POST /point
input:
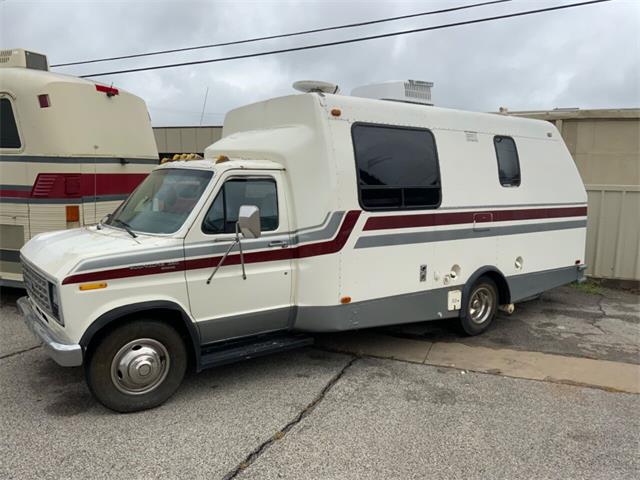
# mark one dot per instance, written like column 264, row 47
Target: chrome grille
column 37, row 287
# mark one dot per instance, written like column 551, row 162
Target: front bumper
column 64, row 354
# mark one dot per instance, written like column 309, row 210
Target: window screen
column 223, row 213
column 508, row 163
column 9, row 137
column 397, row 167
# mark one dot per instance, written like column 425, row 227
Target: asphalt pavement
column 315, row 413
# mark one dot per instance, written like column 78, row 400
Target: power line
column 342, row 42
column 283, row 35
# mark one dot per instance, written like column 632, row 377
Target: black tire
column 475, row 316
column 157, row 351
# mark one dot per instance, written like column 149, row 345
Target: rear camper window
column 397, row 167
column 508, row 163
column 223, row 213
column 9, row 137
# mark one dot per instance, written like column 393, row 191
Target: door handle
column 278, row 243
column 481, row 218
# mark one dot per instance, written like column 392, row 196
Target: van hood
column 59, row 253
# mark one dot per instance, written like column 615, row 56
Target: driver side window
column 223, row 213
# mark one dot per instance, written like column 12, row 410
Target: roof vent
column 310, row 86
column 409, row 91
column 20, row 58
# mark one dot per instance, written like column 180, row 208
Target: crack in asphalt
column 8, row 355
column 257, row 452
column 603, row 313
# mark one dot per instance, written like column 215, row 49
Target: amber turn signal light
column 92, row 286
column 73, row 213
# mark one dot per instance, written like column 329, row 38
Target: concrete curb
column 603, row 374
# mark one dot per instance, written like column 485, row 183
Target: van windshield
column 162, row 202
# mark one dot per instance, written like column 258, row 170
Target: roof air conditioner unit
column 409, row 91
column 20, row 58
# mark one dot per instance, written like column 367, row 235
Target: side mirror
column 249, row 221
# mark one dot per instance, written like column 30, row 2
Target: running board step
column 229, row 352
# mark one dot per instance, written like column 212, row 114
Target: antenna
column 204, row 104
column 316, row 86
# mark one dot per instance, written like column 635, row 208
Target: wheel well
column 171, row 316
column 504, row 295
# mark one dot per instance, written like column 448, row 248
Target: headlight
column 55, row 303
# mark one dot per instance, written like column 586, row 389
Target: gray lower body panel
column 394, row 310
column 409, row 308
column 530, row 284
column 419, row 306
column 243, row 325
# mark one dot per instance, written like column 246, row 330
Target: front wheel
column 480, row 308
column 137, row 366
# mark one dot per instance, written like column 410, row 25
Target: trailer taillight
column 110, row 91
column 44, row 101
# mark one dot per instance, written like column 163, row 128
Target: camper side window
column 397, row 167
column 223, row 213
column 508, row 162
column 9, row 137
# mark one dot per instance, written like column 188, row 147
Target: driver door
column 231, row 306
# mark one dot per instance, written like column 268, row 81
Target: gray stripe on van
column 323, row 234
column 102, row 160
column 211, row 248
column 463, row 234
column 526, row 205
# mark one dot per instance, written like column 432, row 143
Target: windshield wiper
column 126, row 226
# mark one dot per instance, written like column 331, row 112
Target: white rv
column 70, row 151
column 314, row 213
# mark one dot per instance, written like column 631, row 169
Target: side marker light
column 92, row 286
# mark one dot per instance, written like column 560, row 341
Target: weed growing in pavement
column 591, row 287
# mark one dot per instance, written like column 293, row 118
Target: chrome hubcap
column 140, row 366
column 481, row 305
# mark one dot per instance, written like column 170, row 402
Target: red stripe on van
column 456, row 218
column 304, row 251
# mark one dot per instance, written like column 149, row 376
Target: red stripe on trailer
column 14, row 193
column 455, row 218
column 303, row 251
column 59, row 186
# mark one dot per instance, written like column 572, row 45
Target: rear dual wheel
column 137, row 366
column 481, row 305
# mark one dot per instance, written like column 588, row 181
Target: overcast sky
column 587, row 57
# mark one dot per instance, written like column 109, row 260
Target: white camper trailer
column 70, row 151
column 314, row 213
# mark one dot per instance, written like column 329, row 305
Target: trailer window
column 508, row 162
column 223, row 213
column 9, row 137
column 397, row 167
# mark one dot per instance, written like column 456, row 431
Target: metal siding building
column 605, row 144
column 171, row 140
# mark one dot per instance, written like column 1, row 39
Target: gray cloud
column 585, row 57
